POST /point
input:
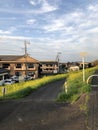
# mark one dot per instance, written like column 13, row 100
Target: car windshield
column 7, row 81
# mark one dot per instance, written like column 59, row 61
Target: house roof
column 16, row 58
column 50, row 62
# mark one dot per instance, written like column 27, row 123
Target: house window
column 51, row 65
column 30, row 65
column 47, row 65
column 5, row 65
column 18, row 65
column 18, row 73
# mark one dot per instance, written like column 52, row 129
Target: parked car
column 28, row 78
column 8, row 82
column 15, row 79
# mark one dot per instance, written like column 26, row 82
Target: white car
column 28, row 78
column 8, row 82
column 15, row 79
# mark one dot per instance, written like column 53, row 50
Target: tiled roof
column 9, row 57
column 16, row 58
column 48, row 62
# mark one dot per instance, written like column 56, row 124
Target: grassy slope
column 74, row 82
column 25, row 88
column 76, row 86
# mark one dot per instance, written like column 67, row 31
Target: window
column 30, row 65
column 18, row 73
column 5, row 65
column 18, row 65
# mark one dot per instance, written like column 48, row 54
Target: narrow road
column 48, row 92
column 39, row 111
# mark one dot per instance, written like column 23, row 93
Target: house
column 48, row 67
column 86, row 65
column 20, row 65
column 74, row 68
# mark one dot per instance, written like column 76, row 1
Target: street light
column 83, row 54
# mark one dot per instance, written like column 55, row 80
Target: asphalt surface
column 40, row 111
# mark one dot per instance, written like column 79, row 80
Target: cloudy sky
column 51, row 26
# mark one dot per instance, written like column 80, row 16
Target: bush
column 63, row 97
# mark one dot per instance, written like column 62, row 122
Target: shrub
column 63, row 97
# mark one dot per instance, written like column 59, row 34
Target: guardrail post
column 4, row 91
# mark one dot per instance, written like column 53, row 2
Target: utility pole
column 26, row 54
column 58, row 59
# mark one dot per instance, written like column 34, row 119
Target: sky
column 50, row 27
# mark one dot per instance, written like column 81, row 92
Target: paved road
column 48, row 93
column 39, row 111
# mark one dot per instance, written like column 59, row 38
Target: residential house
column 20, row 65
column 48, row 67
column 86, row 64
column 74, row 68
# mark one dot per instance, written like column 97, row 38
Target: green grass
column 23, row 89
column 76, row 86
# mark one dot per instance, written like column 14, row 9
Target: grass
column 23, row 89
column 75, row 86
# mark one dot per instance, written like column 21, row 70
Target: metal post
column 66, row 88
column 83, row 54
column 83, row 69
column 3, row 91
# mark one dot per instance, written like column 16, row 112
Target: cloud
column 8, row 31
column 5, row 32
column 5, row 37
column 32, row 2
column 93, row 8
column 54, row 25
column 46, row 7
column 41, row 6
column 31, row 21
